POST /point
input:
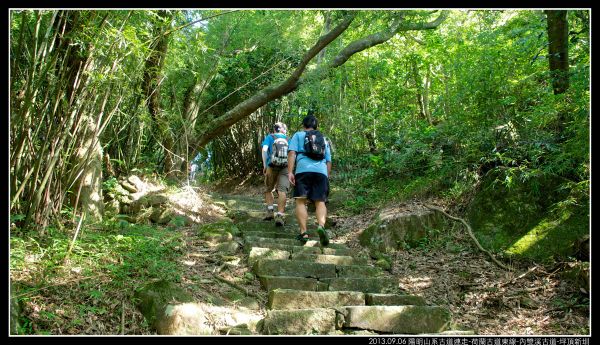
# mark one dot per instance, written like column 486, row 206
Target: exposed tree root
column 470, row 235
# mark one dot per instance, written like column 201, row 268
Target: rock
column 200, row 319
column 383, row 264
column 297, row 283
column 293, row 268
column 257, row 253
column 294, row 299
column 160, row 215
column 227, row 247
column 236, row 330
column 184, row 319
column 299, row 322
column 218, row 232
column 154, row 298
column 397, row 319
column 139, row 185
column 129, row 187
column 393, row 299
column 248, row 303
column 112, row 207
column 155, row 199
column 393, row 228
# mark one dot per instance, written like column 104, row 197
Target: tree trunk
column 419, row 87
column 558, row 49
column 151, row 88
column 426, row 87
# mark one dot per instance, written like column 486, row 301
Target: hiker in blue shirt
column 309, row 166
column 274, row 158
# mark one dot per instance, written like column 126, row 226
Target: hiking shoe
column 268, row 215
column 302, row 238
column 279, row 219
column 323, row 236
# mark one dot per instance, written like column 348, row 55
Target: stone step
column 329, row 250
column 293, row 249
column 299, row 321
column 358, row 271
column 257, row 253
column 296, row 283
column 393, row 299
column 293, row 268
column 330, row 259
column 299, row 249
column 258, row 239
column 251, row 227
column 408, row 319
column 378, row 285
column 269, row 235
column 297, row 299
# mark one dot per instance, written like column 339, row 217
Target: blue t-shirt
column 303, row 163
column 269, row 142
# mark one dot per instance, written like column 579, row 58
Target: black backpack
column 314, row 145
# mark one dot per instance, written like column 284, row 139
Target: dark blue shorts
column 311, row 185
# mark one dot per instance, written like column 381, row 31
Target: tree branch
column 271, row 92
column 220, row 124
column 470, row 232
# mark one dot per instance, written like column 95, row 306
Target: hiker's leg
column 269, row 185
column 283, row 184
column 301, row 213
column 269, row 198
column 321, row 212
column 281, row 202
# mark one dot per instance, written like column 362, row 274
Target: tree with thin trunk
column 558, row 49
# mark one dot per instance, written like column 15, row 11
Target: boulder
column 153, row 298
column 129, row 187
column 201, row 319
column 139, row 185
column 393, row 228
column 227, row 247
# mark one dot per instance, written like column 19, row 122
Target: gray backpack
column 279, row 152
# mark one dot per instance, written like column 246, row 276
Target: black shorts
column 311, row 185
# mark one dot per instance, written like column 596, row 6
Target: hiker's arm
column 291, row 165
column 265, row 148
column 329, row 168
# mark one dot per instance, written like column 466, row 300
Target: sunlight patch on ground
column 536, row 234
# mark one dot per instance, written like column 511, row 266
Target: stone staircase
column 325, row 290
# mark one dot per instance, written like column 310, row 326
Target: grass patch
column 85, row 293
